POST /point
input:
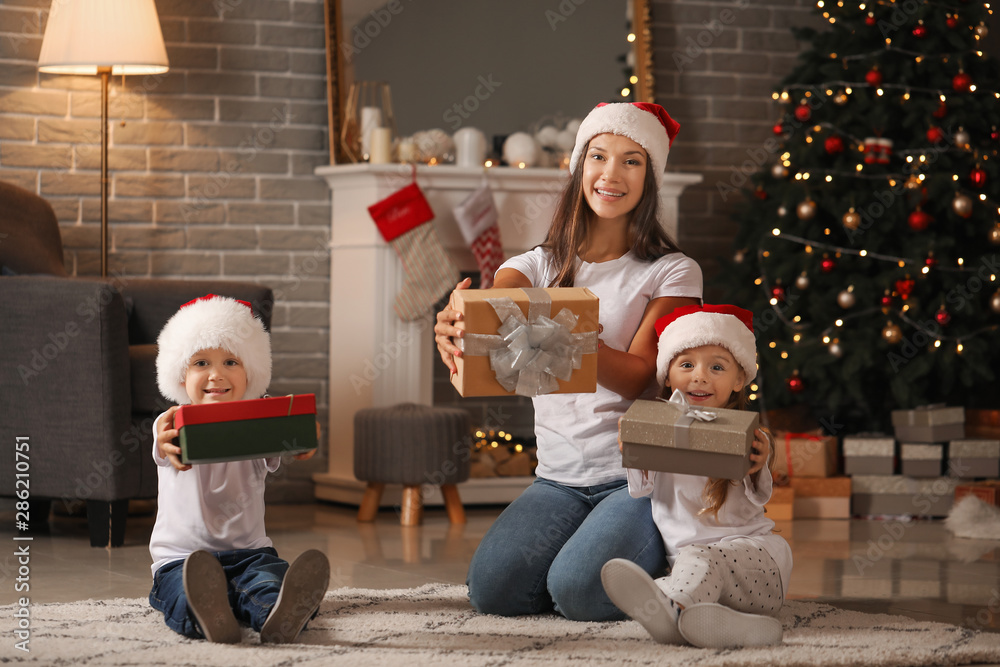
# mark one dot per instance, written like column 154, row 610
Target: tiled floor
column 916, row 569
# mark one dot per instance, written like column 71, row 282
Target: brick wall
column 211, row 170
column 716, row 65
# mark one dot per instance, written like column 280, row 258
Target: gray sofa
column 78, row 378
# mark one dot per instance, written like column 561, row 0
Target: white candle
column 407, row 150
column 470, row 147
column 371, row 118
column 381, row 145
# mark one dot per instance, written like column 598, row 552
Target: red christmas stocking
column 477, row 219
column 403, row 218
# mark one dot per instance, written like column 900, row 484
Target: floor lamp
column 103, row 37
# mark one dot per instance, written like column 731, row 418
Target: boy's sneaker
column 207, row 593
column 635, row 593
column 711, row 625
column 301, row 593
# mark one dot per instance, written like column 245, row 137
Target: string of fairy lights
column 916, row 158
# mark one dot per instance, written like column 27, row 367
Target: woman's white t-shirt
column 577, row 434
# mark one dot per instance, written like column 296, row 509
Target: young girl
column 729, row 572
column 545, row 551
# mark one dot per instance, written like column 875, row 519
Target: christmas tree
column 869, row 242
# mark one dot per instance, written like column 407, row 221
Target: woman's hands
column 165, row 435
column 445, row 330
column 761, row 451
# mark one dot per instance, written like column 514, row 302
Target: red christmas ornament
column 778, row 292
column 930, row 262
column 904, row 288
column 995, row 135
column 760, row 193
column 941, row 111
column 834, row 145
column 870, row 20
column 803, row 113
column 886, row 301
column 952, row 20
column 919, row 220
column 977, row 177
column 827, row 265
column 942, row 317
column 920, row 30
column 795, row 384
column 874, row 77
column 935, row 134
column 961, row 82
column 778, row 129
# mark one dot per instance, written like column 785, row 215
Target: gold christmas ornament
column 962, row 205
column 995, row 234
column 779, row 170
column 962, row 139
column 892, row 333
column 806, row 210
column 836, row 350
column 912, row 183
column 982, row 31
column 852, row 219
column 802, row 282
column 782, row 211
column 995, row 302
column 840, row 98
column 846, row 298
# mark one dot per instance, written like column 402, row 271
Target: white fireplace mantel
column 376, row 360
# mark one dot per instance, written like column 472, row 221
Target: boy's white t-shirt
column 212, row 506
column 577, row 434
column 677, row 499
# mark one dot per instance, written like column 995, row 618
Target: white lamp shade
column 83, row 35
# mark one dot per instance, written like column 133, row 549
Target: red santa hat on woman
column 693, row 326
column 211, row 322
column 648, row 125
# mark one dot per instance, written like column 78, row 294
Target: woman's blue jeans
column 254, row 577
column 546, row 551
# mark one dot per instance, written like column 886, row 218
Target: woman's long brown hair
column 568, row 232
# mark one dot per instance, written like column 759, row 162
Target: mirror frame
column 336, row 96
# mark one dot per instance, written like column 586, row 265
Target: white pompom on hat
column 211, row 322
column 648, row 125
column 688, row 327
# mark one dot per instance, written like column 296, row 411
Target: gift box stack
column 807, row 465
column 936, row 463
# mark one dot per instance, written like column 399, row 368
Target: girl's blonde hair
column 645, row 236
column 717, row 489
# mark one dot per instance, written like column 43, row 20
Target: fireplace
column 378, row 360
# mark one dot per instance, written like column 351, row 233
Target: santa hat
column 648, row 125
column 693, row 326
column 210, row 322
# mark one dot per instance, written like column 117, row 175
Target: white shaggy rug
column 434, row 625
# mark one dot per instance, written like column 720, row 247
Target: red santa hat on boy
column 210, row 322
column 648, row 125
column 693, row 326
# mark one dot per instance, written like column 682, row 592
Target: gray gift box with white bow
column 675, row 437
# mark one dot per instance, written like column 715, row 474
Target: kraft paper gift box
column 930, row 423
column 974, row 458
column 529, row 341
column 781, row 506
column 988, row 491
column 899, row 495
column 920, row 460
column 869, row 455
column 826, row 498
column 804, row 455
column 252, row 429
column 672, row 436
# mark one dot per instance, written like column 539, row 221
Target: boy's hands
column 761, row 451
column 304, row 456
column 165, row 435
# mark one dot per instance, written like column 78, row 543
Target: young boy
column 213, row 564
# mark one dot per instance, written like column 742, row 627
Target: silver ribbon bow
column 688, row 416
column 531, row 354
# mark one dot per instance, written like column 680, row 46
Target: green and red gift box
column 251, row 429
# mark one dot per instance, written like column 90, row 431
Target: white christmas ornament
column 434, row 145
column 520, row 148
column 573, row 126
column 566, row 140
column 547, row 137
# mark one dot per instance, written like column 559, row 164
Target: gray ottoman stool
column 411, row 445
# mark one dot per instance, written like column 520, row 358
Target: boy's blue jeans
column 254, row 577
column 546, row 551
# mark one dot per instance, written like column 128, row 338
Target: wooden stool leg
column 413, row 506
column 453, row 503
column 370, row 501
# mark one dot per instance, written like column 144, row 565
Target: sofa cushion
column 146, row 398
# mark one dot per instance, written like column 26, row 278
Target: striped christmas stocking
column 403, row 218
column 477, row 219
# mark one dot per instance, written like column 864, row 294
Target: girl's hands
column 761, row 451
column 165, row 435
column 445, row 330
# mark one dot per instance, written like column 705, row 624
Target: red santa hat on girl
column 693, row 326
column 211, row 322
column 648, row 125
